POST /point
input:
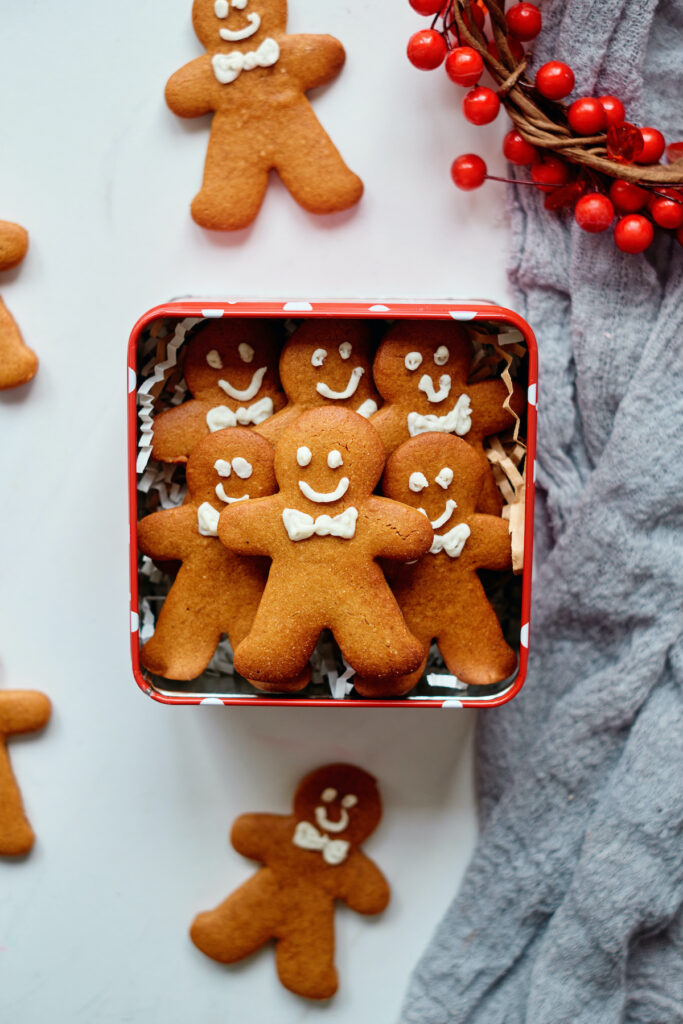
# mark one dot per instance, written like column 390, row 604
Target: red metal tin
column 465, row 312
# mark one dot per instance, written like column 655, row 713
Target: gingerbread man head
column 328, row 460
column 341, row 801
column 233, row 362
column 223, row 24
column 228, row 466
column 437, row 473
column 424, row 369
column 329, row 363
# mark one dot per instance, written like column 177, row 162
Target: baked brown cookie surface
column 441, row 595
column 310, row 859
column 21, row 711
column 18, row 363
column 421, row 371
column 231, row 371
column 325, row 362
column 254, row 79
column 324, row 531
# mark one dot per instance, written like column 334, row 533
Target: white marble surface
column 132, row 801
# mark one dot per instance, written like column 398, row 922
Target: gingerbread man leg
column 474, row 648
column 242, row 923
column 368, row 637
column 397, row 686
column 20, row 711
column 184, row 640
column 311, row 167
column 18, row 363
column 305, row 954
column 280, row 641
column 233, row 188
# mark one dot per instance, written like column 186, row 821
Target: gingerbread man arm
column 177, row 431
column 489, row 543
column 314, row 59
column 247, row 527
column 189, row 91
column 165, row 535
column 253, row 835
column 488, row 414
column 401, row 532
column 365, row 888
column 23, row 711
column 13, row 244
column 276, row 424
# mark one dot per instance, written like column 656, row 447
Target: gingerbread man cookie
column 421, row 372
column 324, row 531
column 325, row 362
column 231, row 370
column 215, row 590
column 18, row 364
column 254, row 78
column 21, row 711
column 311, row 858
column 441, row 595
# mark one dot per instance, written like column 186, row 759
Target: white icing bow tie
column 307, row 837
column 457, row 421
column 452, row 542
column 228, row 66
column 221, row 417
column 301, row 526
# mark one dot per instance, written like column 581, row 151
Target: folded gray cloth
column 572, row 906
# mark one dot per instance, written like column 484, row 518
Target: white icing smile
column 248, row 393
column 348, row 391
column 445, row 515
column 233, row 36
column 427, row 385
column 331, row 826
column 220, row 491
column 323, row 498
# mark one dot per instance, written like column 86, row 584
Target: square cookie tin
column 500, row 337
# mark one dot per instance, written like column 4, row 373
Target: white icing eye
column 441, row 355
column 242, row 468
column 418, row 482
column 214, row 360
column 221, row 8
column 350, row 800
column 303, row 456
column 445, row 477
column 222, row 467
column 319, row 357
column 412, row 361
column 246, row 352
column 328, row 795
column 239, row 4
column 345, row 349
column 334, row 459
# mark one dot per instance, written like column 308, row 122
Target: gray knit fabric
column 572, row 907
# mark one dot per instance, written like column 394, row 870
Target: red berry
column 464, row 65
column 633, row 233
column 653, row 146
column 517, row 150
column 548, row 171
column 594, row 212
column 555, row 80
column 627, row 198
column 468, row 171
column 668, row 213
column 587, row 117
column 481, row 105
column 614, row 109
column 427, row 49
column 427, row 7
column 477, row 14
column 524, row 21
column 514, row 45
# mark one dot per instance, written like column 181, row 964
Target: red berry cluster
column 596, row 198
